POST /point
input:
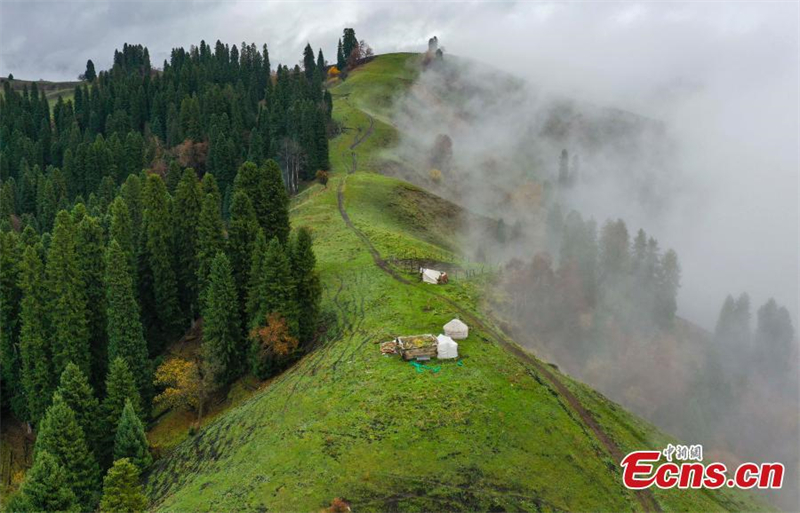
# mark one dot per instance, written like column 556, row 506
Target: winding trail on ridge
column 644, row 497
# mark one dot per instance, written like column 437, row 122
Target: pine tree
column 89, row 247
column 79, row 396
column 273, row 288
column 222, row 335
column 349, row 43
column 309, row 65
column 122, row 231
column 67, row 304
column 62, row 437
column 12, row 391
column 90, row 73
column 210, row 241
column 46, row 488
column 122, row 492
column 307, row 287
column 188, row 201
column 242, row 231
column 37, row 378
column 341, row 62
column 125, row 332
column 130, row 441
column 120, row 386
column 253, row 294
column 209, row 186
column 163, row 314
column 264, row 185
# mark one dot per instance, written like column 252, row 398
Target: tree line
column 112, row 246
column 208, row 108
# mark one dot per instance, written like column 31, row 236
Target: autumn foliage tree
column 272, row 344
column 183, row 386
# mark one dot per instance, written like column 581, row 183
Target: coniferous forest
column 152, row 205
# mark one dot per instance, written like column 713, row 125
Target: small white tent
column 456, row 330
column 430, row 276
column 446, row 347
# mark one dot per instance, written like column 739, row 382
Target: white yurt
column 430, row 276
column 446, row 347
column 456, row 330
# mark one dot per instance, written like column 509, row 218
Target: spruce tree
column 130, row 440
column 309, row 65
column 340, row 60
column 264, row 185
column 273, row 290
column 188, row 202
column 209, row 186
column 164, row 314
column 78, row 394
column 122, row 231
column 242, row 231
column 37, row 374
column 222, row 335
column 12, row 391
column 90, row 247
column 122, row 492
column 257, row 255
column 67, row 302
column 62, row 437
column 90, row 74
column 210, row 241
column 125, row 332
column 307, row 287
column 120, row 386
column 46, row 488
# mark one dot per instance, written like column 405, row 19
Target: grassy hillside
column 496, row 430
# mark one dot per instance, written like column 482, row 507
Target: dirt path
column 645, row 497
column 359, row 140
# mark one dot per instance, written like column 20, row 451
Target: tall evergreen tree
column 163, row 317
column 122, row 231
column 68, row 314
column 11, row 391
column 79, row 396
column 273, row 290
column 62, row 437
column 222, row 332
column 125, row 332
column 242, row 231
column 264, row 185
column 210, row 241
column 120, row 387
column 122, row 492
column 188, row 201
column 89, row 247
column 306, row 284
column 349, row 42
column 309, row 64
column 46, row 488
column 130, row 441
column 341, row 62
column 90, row 74
column 37, row 374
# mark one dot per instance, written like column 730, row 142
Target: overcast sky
column 723, row 75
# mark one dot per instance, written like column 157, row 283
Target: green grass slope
column 497, row 430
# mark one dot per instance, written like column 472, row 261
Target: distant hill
column 52, row 90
